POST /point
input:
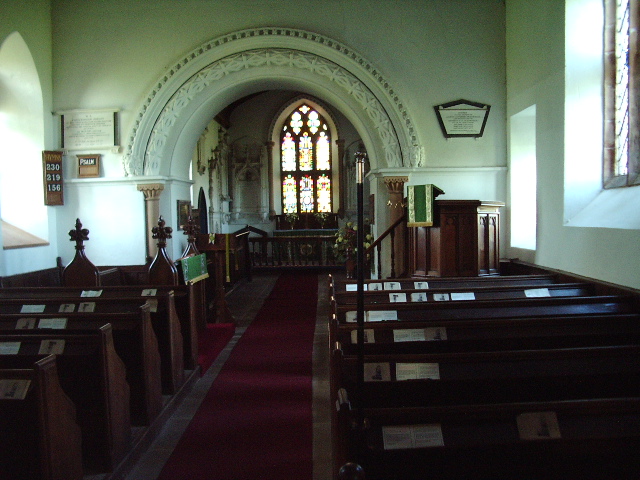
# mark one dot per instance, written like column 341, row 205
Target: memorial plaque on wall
column 88, row 129
column 52, row 177
column 462, row 118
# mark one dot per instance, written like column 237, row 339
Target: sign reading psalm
column 420, row 206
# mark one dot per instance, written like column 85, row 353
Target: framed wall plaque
column 462, row 118
column 88, row 165
column 89, row 129
column 52, row 177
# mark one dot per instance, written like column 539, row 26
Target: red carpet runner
column 255, row 422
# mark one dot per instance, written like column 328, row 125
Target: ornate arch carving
column 235, row 55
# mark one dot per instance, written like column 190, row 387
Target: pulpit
column 463, row 241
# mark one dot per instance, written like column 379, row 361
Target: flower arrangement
column 346, row 238
column 322, row 217
column 291, row 218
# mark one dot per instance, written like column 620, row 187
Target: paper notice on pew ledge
column 428, row 334
column 369, row 336
column 377, row 372
column 9, row 348
column 537, row 293
column 51, row 347
column 463, row 296
column 392, row 286
column 55, row 323
column 398, row 297
column 25, row 323
column 412, row 436
column 87, row 307
column 421, row 285
column 149, row 292
column 13, row 389
column 91, row 293
column 417, row 371
column 32, row 309
column 381, row 315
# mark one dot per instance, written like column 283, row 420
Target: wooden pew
column 164, row 317
column 446, row 282
column 40, row 437
column 135, row 343
column 489, row 334
column 469, row 293
column 507, row 308
column 594, row 439
column 93, row 377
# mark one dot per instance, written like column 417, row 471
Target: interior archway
column 209, row 78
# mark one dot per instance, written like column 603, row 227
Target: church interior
column 473, row 162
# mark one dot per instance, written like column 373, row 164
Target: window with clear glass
column 305, row 147
column 621, row 136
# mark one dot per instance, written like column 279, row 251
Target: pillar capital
column 395, row 184
column 151, row 190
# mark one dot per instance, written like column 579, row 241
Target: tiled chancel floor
column 244, row 302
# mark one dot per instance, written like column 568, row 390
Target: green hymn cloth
column 194, row 268
column 420, row 208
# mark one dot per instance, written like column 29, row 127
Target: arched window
column 305, row 162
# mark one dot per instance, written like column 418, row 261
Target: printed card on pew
column 375, row 287
column 412, row 436
column 537, row 292
column 9, row 348
column 32, row 309
column 153, row 304
column 67, row 307
column 368, row 336
column 398, row 297
column 51, row 347
column 149, row 292
column 377, row 372
column 418, row 297
column 91, row 293
column 381, row 315
column 463, row 296
column 392, row 286
column 441, row 297
column 14, row 389
column 353, row 287
column 421, row 285
column 87, row 307
column 420, row 334
column 538, row 426
column 417, row 371
column 55, row 323
column 371, row 316
column 26, row 324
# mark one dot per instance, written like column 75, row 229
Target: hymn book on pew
column 538, row 426
column 412, row 436
column 14, row 389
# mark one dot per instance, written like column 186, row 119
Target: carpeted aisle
column 255, row 422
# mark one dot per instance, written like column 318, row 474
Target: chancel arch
column 239, row 64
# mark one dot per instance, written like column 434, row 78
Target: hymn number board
column 52, row 177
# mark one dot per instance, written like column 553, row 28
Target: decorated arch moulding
column 263, row 52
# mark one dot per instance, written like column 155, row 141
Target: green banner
column 420, row 204
column 194, row 268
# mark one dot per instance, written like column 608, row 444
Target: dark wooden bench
column 93, row 376
column 467, row 294
column 40, row 438
column 505, row 376
column 579, row 439
column 446, row 282
column 555, row 331
column 506, row 308
column 164, row 317
column 135, row 343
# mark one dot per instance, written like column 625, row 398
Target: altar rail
column 292, row 251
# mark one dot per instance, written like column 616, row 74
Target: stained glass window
column 306, row 162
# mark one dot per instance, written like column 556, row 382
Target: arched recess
column 239, row 64
column 22, row 140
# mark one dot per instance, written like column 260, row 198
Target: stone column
column 151, row 193
column 342, row 177
column 395, row 202
column 270, row 169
